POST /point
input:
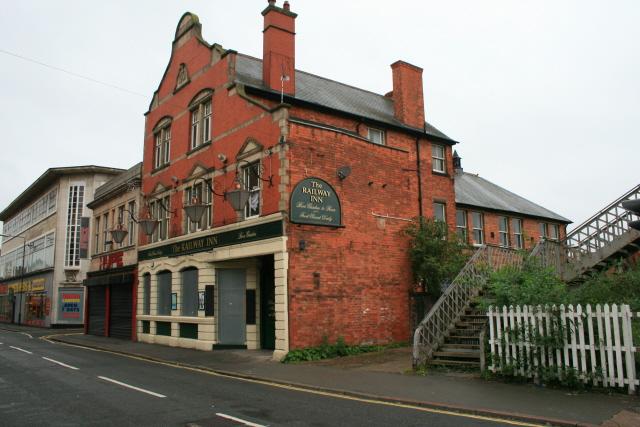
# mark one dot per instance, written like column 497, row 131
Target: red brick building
column 332, row 174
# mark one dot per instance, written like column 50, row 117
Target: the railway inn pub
column 280, row 197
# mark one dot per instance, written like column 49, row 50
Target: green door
column 267, row 304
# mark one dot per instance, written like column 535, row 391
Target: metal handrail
column 457, row 297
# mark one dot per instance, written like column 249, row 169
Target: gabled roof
column 330, row 94
column 472, row 190
column 46, row 180
column 117, row 185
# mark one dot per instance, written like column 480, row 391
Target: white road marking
column 133, row 387
column 239, row 420
column 60, row 363
column 29, row 335
column 21, row 349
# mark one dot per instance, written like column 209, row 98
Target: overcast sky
column 543, row 96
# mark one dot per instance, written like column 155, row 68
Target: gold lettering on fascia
column 246, row 235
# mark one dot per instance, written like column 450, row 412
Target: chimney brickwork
column 407, row 95
column 278, row 48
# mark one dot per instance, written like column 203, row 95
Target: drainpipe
column 418, row 170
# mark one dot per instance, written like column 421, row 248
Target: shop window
column 189, row 292
column 164, row 293
column 503, row 231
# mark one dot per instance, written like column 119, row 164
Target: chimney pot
column 286, row 5
column 271, row 2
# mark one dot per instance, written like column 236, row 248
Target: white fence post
column 606, row 347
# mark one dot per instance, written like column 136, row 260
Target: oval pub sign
column 314, row 202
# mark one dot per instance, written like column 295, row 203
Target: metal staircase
column 454, row 310
column 595, row 244
column 451, row 332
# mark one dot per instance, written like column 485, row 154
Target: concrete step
column 460, row 363
column 457, row 345
column 453, row 353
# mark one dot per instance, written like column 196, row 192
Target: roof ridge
column 324, row 78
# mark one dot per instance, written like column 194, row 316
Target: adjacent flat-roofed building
column 46, row 229
column 112, row 278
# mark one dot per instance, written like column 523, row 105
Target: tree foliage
column 436, row 253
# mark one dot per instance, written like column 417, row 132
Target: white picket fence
column 597, row 345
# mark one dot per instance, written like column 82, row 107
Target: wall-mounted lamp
column 239, row 195
column 147, row 225
column 196, row 208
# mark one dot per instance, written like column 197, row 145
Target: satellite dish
column 343, row 172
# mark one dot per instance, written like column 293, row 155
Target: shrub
column 436, row 253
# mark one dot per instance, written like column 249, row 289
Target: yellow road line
column 305, row 390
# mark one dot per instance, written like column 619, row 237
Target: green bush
column 436, row 254
column 531, row 284
column 328, row 351
column 621, row 287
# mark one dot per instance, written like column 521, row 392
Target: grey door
column 231, row 317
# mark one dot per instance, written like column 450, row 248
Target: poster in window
column 84, row 237
column 200, row 300
column 174, row 301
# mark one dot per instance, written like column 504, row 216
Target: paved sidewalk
column 438, row 390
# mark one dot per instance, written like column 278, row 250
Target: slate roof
column 331, row 94
column 115, row 184
column 473, row 190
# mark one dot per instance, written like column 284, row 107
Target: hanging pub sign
column 313, row 201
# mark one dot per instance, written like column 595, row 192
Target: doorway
column 267, row 304
column 231, row 300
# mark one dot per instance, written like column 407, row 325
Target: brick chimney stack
column 407, row 95
column 278, row 48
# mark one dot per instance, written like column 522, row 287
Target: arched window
column 164, row 293
column 189, row 291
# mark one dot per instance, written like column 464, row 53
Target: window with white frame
column 518, row 238
column 37, row 211
column 193, row 195
column 461, row 225
column 376, row 136
column 503, row 231
column 251, row 180
column 74, row 215
column 438, row 158
column 162, row 146
column 543, row 231
column 477, row 223
column 201, row 124
column 554, row 232
column 119, row 220
column 160, row 210
column 439, row 212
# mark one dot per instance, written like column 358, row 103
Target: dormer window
column 376, row 136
